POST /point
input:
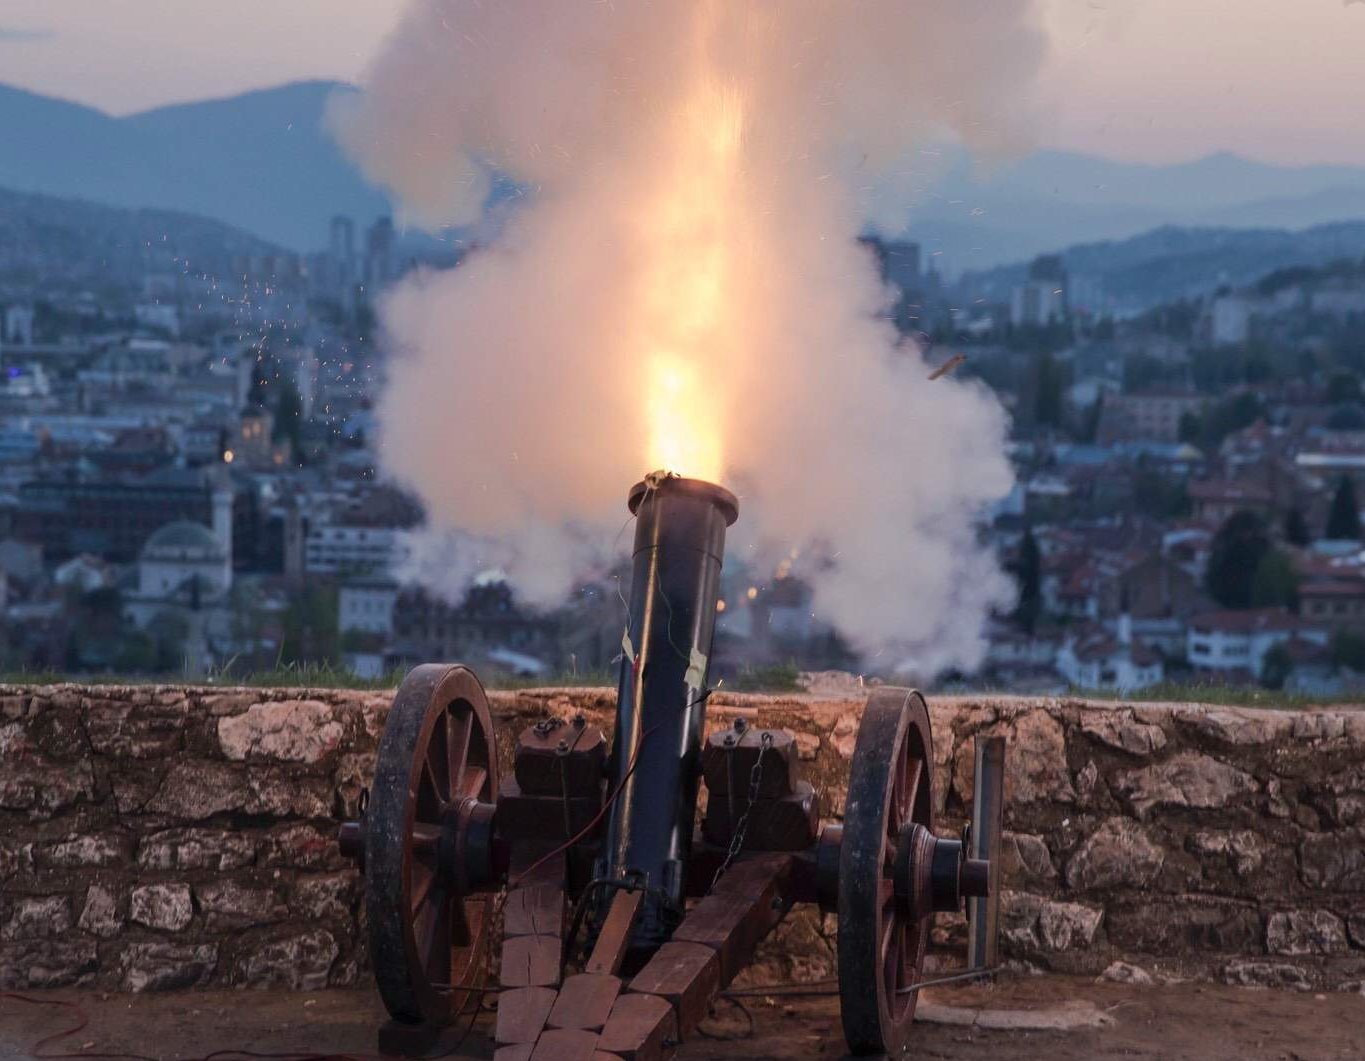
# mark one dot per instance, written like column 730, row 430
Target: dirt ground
column 1167, row 1022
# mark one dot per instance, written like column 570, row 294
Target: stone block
column 325, row 896
column 1025, row 859
column 15, row 859
column 229, row 904
column 1298, row 932
column 123, row 730
column 300, row 847
column 1266, row 974
column 101, row 916
column 194, row 791
column 1241, row 727
column 301, row 962
column 1334, row 861
column 1119, row 854
column 1181, row 925
column 1067, row 926
column 47, row 963
column 41, row 786
column 1185, row 780
column 96, row 849
column 59, row 734
column 163, row 906
column 293, row 731
column 167, row 966
column 194, row 849
column 844, row 736
column 1119, row 729
column 1244, row 850
column 38, row 917
column 1125, row 973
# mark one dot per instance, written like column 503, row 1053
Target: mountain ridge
column 263, row 161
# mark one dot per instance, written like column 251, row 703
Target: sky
column 1143, row 80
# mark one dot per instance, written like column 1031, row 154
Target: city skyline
column 1156, row 82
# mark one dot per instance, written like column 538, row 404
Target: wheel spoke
column 426, row 839
column 889, row 953
column 437, row 761
column 423, row 879
column 910, row 793
column 429, row 799
column 434, row 947
column 461, row 934
column 459, row 730
column 471, row 784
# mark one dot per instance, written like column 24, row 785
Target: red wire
column 606, row 806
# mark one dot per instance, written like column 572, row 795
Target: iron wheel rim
column 427, row 939
column 880, row 946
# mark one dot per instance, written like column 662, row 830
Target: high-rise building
column 380, row 267
column 1043, row 298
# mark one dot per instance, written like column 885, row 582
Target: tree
column 1348, row 650
column 289, row 417
column 311, row 633
column 1047, row 403
column 1343, row 521
column 1344, row 389
column 1234, row 558
column 1296, row 530
column 1276, row 666
column 1276, row 584
column 1346, row 418
column 1028, row 572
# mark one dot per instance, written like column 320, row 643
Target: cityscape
column 189, row 484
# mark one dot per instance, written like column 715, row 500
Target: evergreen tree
column 1276, row 667
column 1343, row 521
column 1028, row 572
column 1276, row 583
column 1296, row 530
column 289, row 417
column 1234, row 558
column 1048, row 404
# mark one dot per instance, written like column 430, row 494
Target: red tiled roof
column 1250, row 621
column 1223, row 490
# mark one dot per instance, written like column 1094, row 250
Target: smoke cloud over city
column 682, row 288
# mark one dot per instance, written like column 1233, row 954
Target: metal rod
column 988, row 801
column 939, row 981
column 661, row 705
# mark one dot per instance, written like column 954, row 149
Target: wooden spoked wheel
column 436, row 758
column 881, row 940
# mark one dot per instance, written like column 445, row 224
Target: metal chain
column 742, row 826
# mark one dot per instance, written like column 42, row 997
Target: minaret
column 220, row 485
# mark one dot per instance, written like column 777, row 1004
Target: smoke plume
column 682, row 287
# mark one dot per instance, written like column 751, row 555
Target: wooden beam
column 610, row 948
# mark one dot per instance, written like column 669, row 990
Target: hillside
column 260, row 162
column 1170, row 262
column 90, row 245
column 264, row 163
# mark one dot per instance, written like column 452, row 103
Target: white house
column 366, row 606
column 1095, row 659
column 1239, row 640
column 331, row 549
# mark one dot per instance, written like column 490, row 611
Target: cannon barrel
column 661, row 706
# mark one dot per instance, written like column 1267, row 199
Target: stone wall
column 155, row 837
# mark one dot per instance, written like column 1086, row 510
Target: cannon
column 621, row 916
